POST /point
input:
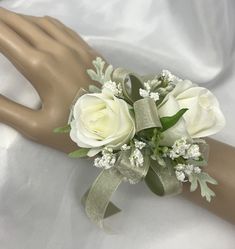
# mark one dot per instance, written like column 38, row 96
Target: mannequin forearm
column 222, row 167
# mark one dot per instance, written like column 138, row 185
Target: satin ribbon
column 146, row 114
column 130, row 82
column 97, row 199
column 161, row 180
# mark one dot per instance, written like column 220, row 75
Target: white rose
column 203, row 117
column 101, row 119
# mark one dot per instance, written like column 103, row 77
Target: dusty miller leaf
column 108, row 72
column 94, row 89
column 202, row 179
column 100, row 74
column 93, row 75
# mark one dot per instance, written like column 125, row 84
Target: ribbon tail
column 96, row 199
column 111, row 208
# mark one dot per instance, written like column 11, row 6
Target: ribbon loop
column 130, row 82
column 146, row 114
column 162, row 180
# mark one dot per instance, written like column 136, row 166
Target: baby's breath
column 143, row 93
column 183, row 149
column 125, row 147
column 147, row 94
column 185, row 170
column 107, row 160
column 114, row 87
column 139, row 144
column 169, row 76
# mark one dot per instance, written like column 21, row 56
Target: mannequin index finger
column 14, row 47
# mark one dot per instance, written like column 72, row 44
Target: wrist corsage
column 142, row 128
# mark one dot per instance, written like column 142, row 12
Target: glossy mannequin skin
column 54, row 59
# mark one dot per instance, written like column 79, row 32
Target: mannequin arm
column 221, row 166
column 54, row 59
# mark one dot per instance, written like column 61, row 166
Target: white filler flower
column 115, row 88
column 101, row 119
column 147, row 93
column 107, row 160
column 203, row 118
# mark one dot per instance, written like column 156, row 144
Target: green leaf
column 64, row 129
column 79, row 153
column 169, row 121
column 202, row 178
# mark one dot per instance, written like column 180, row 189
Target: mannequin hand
column 54, row 59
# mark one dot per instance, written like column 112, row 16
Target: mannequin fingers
column 76, row 42
column 60, row 34
column 13, row 46
column 17, row 116
column 26, row 29
column 22, row 55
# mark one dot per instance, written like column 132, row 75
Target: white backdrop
column 40, row 188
